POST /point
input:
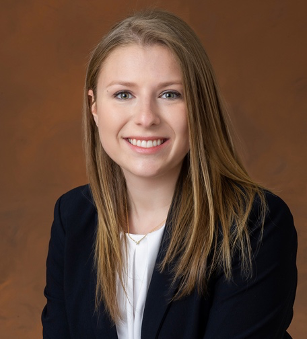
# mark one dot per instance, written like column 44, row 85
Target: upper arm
column 262, row 306
column 54, row 318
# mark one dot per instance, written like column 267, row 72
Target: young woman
column 171, row 238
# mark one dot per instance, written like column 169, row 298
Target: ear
column 91, row 98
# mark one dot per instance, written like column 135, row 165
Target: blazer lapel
column 101, row 323
column 159, row 294
column 158, row 299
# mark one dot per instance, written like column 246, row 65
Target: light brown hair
column 214, row 194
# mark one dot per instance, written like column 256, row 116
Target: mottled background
column 259, row 52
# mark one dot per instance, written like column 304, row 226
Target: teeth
column 146, row 144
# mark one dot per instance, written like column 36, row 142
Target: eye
column 170, row 95
column 123, row 95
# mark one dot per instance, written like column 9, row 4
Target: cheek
column 181, row 131
column 110, row 116
column 105, row 129
column 181, row 124
column 110, row 125
column 107, row 142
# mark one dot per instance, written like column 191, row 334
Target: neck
column 149, row 201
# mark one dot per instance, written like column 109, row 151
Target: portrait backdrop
column 258, row 50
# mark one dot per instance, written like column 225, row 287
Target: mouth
column 146, row 143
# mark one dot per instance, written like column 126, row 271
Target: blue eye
column 171, row 95
column 123, row 95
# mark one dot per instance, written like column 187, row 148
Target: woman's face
column 141, row 112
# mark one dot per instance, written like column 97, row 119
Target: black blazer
column 259, row 308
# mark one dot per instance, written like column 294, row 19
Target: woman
column 171, row 238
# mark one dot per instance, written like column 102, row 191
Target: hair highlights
column 214, row 193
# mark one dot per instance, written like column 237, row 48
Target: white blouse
column 141, row 261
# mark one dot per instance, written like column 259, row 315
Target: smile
column 146, row 143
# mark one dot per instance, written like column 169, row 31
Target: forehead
column 137, row 61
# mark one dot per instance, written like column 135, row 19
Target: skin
column 140, row 101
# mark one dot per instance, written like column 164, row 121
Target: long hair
column 214, row 194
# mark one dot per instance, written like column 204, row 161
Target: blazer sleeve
column 262, row 306
column 54, row 318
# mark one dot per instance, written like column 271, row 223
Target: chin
column 143, row 172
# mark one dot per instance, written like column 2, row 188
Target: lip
column 143, row 150
column 145, row 138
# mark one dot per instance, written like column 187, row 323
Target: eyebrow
column 132, row 84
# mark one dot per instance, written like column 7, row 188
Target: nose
column 146, row 113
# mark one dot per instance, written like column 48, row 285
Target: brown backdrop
column 258, row 49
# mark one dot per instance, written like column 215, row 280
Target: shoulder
column 274, row 204
column 79, row 196
column 275, row 231
column 276, row 211
column 75, row 207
